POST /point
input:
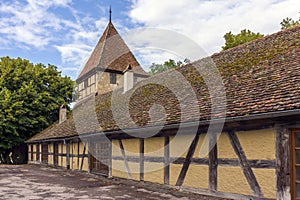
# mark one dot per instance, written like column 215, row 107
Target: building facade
column 257, row 155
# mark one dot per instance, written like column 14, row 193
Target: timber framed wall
column 66, row 154
column 241, row 165
column 249, row 164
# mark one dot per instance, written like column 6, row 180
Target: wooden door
column 100, row 158
column 295, row 164
column 45, row 153
column 55, row 154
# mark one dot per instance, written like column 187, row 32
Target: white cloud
column 207, row 21
column 31, row 24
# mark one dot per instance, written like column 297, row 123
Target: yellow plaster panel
column 64, row 162
column 59, row 148
column 154, row 146
column 179, row 145
column 116, row 148
column 232, row 179
column 156, row 176
column 50, row 159
column 199, row 146
column 34, row 148
column 74, row 163
column 64, row 148
column 225, row 149
column 74, row 148
column 120, row 174
column 85, row 166
column 174, row 173
column 258, row 144
column 131, row 147
column 118, row 169
column 59, row 161
column 118, row 165
column 266, row 179
column 197, row 177
column 50, row 148
column 81, row 147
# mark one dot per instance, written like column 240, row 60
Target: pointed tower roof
column 111, row 53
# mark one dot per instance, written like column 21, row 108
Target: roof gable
column 111, row 53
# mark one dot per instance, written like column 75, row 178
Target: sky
column 64, row 32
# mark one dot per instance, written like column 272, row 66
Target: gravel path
column 36, row 182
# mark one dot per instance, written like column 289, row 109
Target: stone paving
column 36, row 182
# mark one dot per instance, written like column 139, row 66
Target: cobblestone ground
column 36, row 182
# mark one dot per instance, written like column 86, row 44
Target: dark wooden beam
column 125, row 159
column 141, row 159
column 283, row 162
column 68, row 155
column 167, row 161
column 250, row 177
column 187, row 160
column 213, row 162
column 264, row 164
column 78, row 157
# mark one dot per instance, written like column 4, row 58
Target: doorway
column 295, row 164
column 100, row 157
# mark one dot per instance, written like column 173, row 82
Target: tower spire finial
column 110, row 13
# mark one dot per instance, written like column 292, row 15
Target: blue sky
column 64, row 32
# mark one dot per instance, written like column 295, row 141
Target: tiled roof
column 111, row 53
column 261, row 76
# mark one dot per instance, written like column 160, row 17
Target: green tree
column 289, row 22
column 170, row 64
column 30, row 97
column 244, row 36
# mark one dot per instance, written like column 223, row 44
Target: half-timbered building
column 257, row 155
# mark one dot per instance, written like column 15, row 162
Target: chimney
column 62, row 114
column 128, row 78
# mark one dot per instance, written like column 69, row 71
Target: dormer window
column 113, row 78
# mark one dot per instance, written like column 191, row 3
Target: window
column 295, row 162
column 113, row 78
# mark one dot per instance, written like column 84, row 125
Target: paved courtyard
column 35, row 182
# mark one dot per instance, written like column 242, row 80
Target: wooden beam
column 187, row 160
column 283, row 162
column 213, row 162
column 167, row 161
column 232, row 162
column 250, row 177
column 141, row 159
column 68, row 155
column 124, row 158
column 78, row 154
column 110, row 159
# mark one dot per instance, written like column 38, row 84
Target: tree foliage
column 244, row 36
column 167, row 65
column 289, row 22
column 30, row 97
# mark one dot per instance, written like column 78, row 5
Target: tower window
column 113, row 78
